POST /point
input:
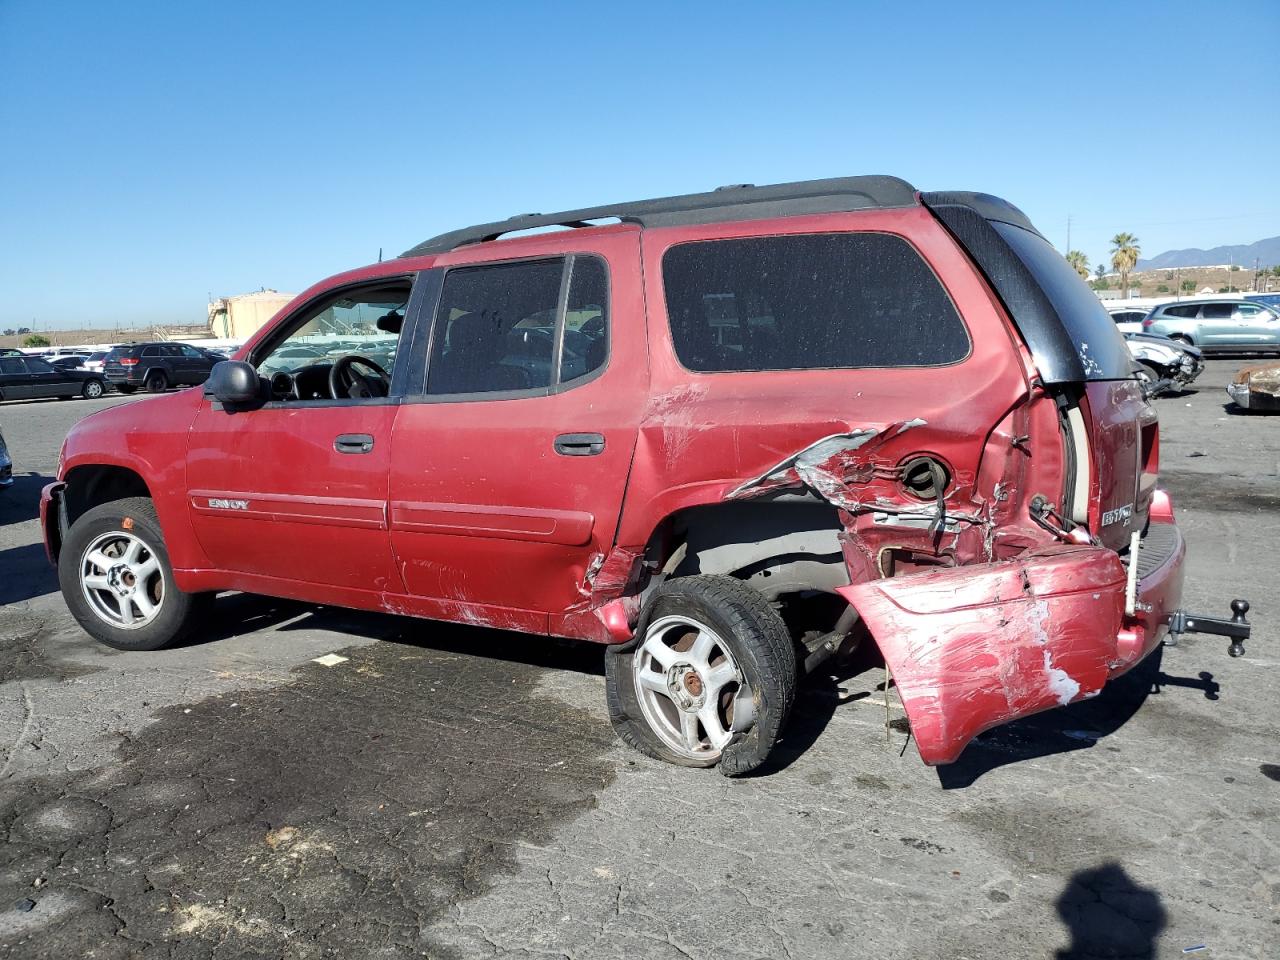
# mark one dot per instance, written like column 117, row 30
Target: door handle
column 579, row 444
column 353, row 443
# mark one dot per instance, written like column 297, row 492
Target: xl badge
column 1118, row 515
column 218, row 504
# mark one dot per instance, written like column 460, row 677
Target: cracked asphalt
column 457, row 792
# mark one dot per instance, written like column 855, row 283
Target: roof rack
column 742, row 201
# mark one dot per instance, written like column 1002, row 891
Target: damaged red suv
column 683, row 428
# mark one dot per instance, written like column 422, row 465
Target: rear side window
column 10, row 365
column 1098, row 343
column 1184, row 310
column 805, row 302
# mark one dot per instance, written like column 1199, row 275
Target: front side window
column 357, row 329
column 39, row 366
column 809, row 301
column 498, row 326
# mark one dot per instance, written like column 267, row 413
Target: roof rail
column 742, row 201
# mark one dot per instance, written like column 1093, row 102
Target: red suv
column 687, row 428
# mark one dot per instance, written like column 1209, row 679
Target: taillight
column 128, row 361
column 1147, row 323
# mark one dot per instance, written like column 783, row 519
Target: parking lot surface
column 457, row 792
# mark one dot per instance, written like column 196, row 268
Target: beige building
column 240, row 317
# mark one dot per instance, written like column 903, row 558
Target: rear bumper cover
column 974, row 647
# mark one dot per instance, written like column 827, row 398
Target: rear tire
column 725, row 691
column 93, row 389
column 117, row 580
column 157, row 382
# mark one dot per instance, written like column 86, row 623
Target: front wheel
column 157, row 382
column 117, row 581
column 709, row 679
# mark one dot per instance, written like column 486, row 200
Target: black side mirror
column 233, row 382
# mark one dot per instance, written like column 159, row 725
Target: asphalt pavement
column 447, row 791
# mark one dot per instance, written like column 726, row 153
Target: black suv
column 156, row 366
column 26, row 378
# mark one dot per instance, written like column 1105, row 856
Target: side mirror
column 233, row 382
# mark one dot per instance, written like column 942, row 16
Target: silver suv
column 1220, row 325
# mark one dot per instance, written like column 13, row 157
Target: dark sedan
column 26, row 378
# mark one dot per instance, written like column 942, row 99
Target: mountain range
column 1266, row 251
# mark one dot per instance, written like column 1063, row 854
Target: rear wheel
column 709, row 680
column 157, row 382
column 117, row 581
column 93, row 389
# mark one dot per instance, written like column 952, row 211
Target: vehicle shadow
column 22, row 500
column 1079, row 726
column 1232, row 410
column 29, row 574
column 1108, row 914
column 239, row 613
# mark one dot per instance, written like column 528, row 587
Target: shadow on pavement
column 21, row 501
column 29, row 574
column 1109, row 915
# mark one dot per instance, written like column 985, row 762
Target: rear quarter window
column 810, row 301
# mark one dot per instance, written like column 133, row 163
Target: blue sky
column 153, row 153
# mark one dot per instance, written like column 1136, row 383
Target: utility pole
column 1068, row 233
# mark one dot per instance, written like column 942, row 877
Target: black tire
column 125, row 388
column 93, row 389
column 178, row 613
column 157, row 382
column 759, row 643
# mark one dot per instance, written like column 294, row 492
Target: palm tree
column 1124, row 255
column 1080, row 262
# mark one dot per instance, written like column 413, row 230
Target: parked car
column 1164, row 364
column 1256, row 387
column 1218, row 325
column 94, row 361
column 156, row 366
column 6, row 464
column 1271, row 300
column 70, row 361
column 25, row 378
column 1128, row 319
column 809, row 415
column 11, row 352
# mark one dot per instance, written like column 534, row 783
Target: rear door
column 15, row 382
column 509, row 465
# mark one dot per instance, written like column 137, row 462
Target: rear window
column 1093, row 333
column 809, row 301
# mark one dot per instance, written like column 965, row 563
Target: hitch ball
column 1238, row 609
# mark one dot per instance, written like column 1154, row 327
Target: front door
column 509, row 466
column 1259, row 327
column 45, row 380
column 296, row 489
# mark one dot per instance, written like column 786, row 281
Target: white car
column 94, row 361
column 1128, row 319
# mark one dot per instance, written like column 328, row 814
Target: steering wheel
column 345, row 382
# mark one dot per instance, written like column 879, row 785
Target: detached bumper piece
column 1237, row 628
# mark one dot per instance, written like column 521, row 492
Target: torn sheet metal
column 977, row 646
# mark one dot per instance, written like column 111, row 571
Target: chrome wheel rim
column 691, row 691
column 121, row 580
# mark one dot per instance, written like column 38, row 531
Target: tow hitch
column 1237, row 628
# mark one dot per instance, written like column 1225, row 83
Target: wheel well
column 779, row 547
column 91, row 485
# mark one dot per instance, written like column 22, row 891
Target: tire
column 108, row 530
column 125, row 388
column 157, row 382
column 93, row 389
column 1181, row 338
column 745, row 634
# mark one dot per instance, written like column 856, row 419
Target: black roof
column 743, row 201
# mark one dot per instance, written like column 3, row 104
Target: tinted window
column 189, row 351
column 1184, row 310
column 808, row 302
column 1099, row 344
column 38, row 366
column 586, row 320
column 495, row 328
column 151, row 352
column 10, row 365
column 1217, row 311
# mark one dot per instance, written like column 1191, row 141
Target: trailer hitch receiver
column 1237, row 628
